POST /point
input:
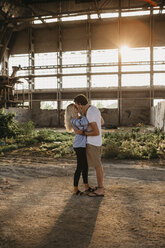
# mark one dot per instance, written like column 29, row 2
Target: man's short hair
column 81, row 99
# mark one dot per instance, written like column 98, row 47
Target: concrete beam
column 99, row 93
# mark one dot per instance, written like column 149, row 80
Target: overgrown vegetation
column 136, row 143
column 8, row 126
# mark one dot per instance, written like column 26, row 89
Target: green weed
column 135, row 143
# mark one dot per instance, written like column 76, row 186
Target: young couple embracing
column 87, row 143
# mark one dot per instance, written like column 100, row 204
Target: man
column 94, row 140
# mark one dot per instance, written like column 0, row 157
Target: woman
column 74, row 122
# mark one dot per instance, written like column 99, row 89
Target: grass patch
column 136, row 143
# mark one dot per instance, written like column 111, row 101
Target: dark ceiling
column 11, row 9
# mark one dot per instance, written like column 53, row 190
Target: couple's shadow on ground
column 75, row 226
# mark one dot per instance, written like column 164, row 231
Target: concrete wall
column 22, row 115
column 41, row 118
column 158, row 116
column 110, row 117
column 135, row 111
column 49, row 118
column 45, row 118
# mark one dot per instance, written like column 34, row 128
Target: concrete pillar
column 36, row 106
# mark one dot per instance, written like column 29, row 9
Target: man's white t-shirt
column 93, row 115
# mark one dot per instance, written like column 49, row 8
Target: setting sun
column 124, row 49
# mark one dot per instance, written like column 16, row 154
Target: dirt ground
column 37, row 208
